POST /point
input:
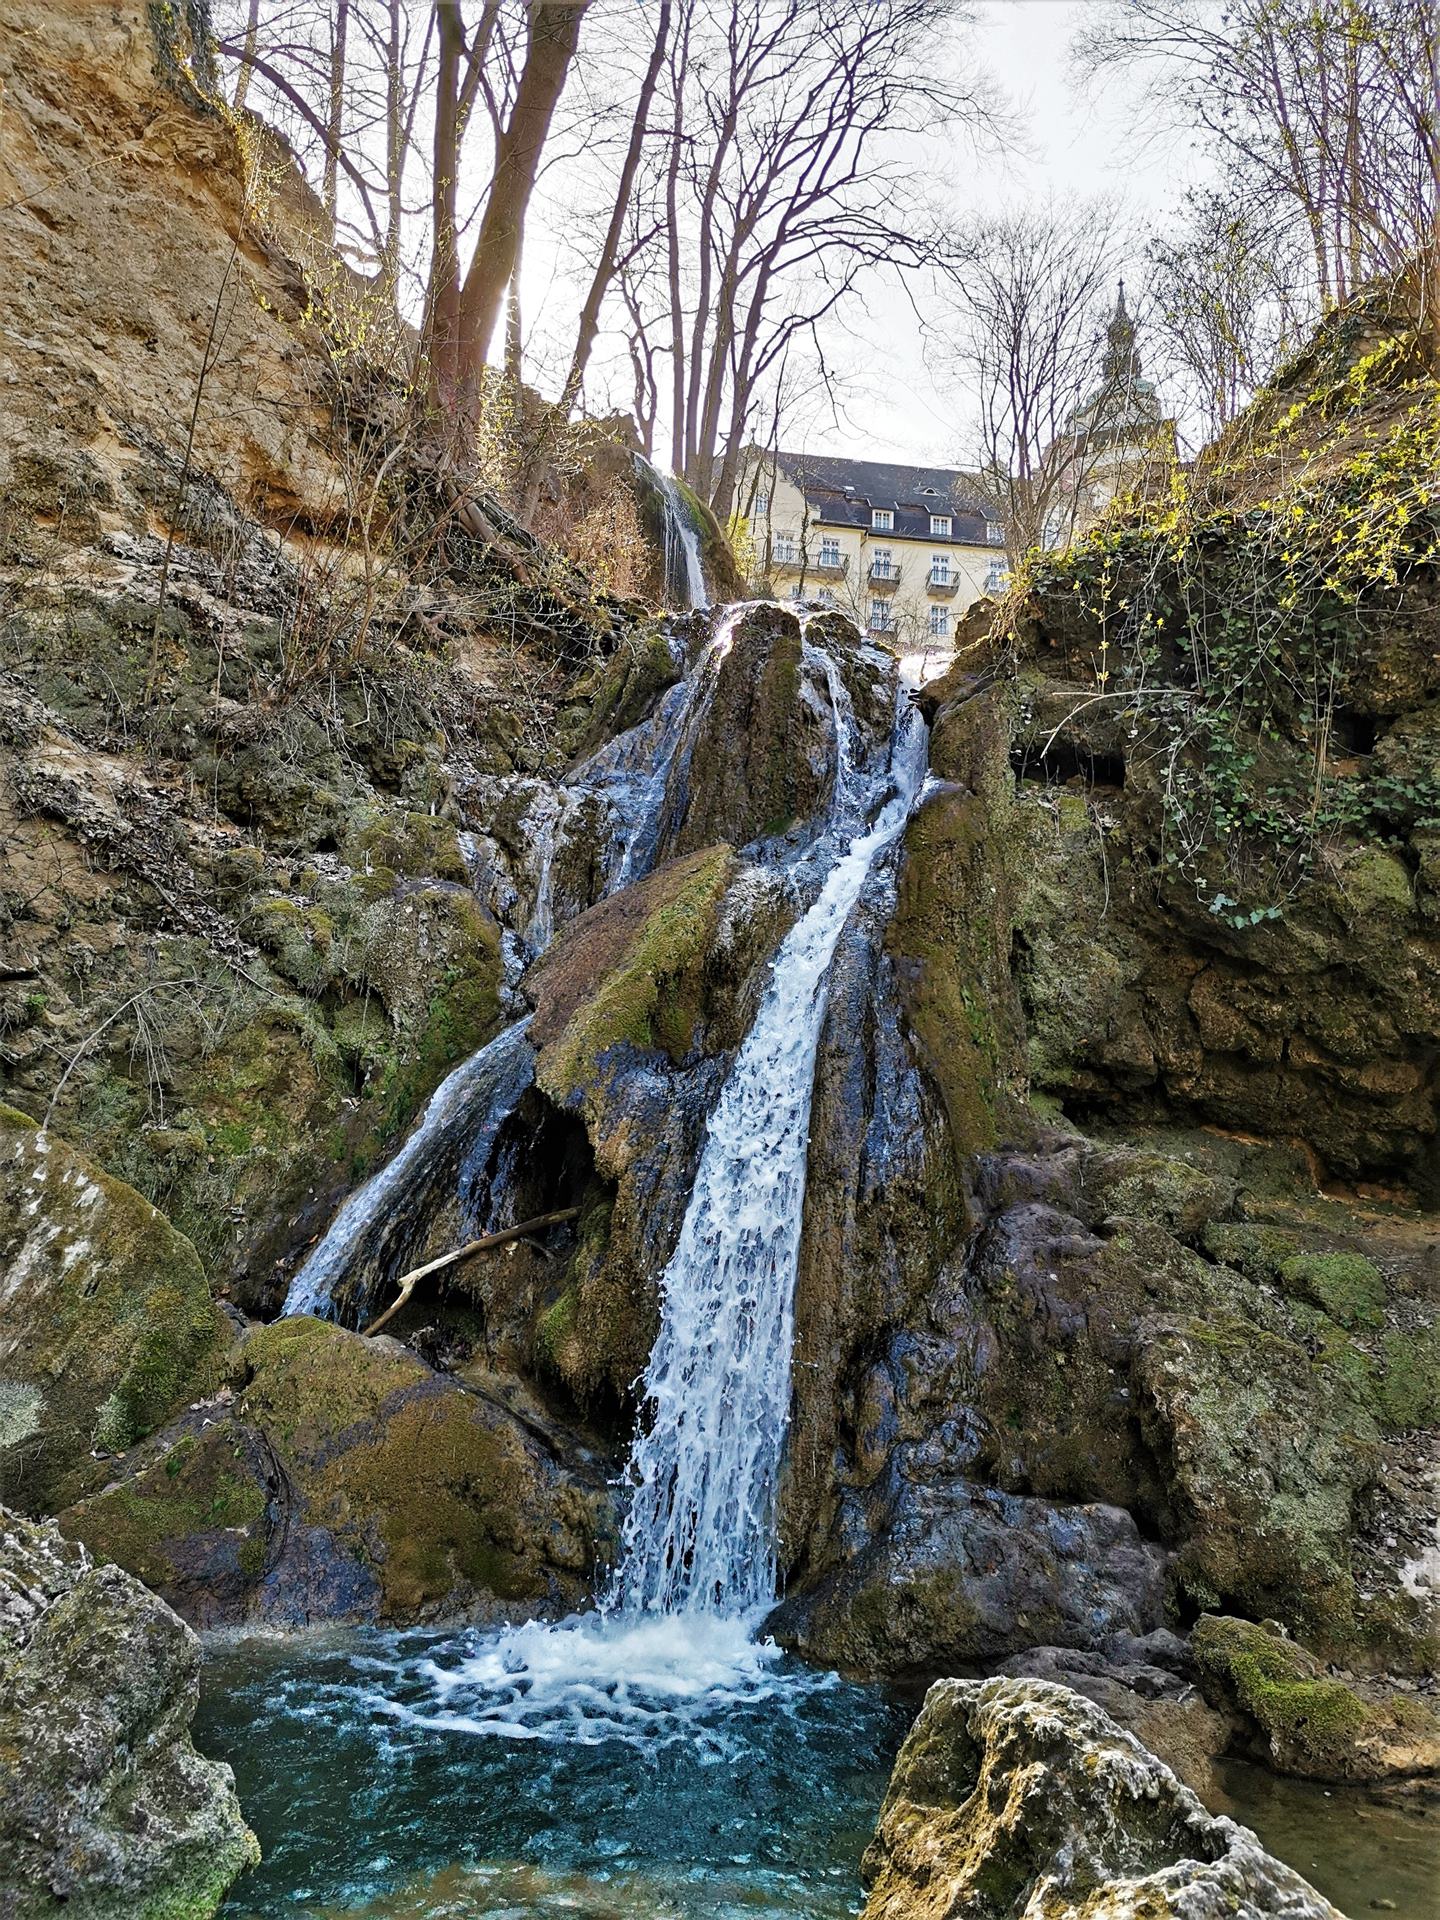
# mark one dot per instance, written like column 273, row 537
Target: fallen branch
column 483, row 1245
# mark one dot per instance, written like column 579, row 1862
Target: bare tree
column 780, row 184
column 1029, row 289
column 462, row 312
column 1228, row 300
column 1325, row 112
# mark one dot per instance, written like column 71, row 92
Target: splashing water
column 699, row 1536
column 376, row 1223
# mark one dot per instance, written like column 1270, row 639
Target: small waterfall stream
column 676, row 1632
column 684, row 573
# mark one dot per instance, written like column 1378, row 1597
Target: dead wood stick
column 482, row 1245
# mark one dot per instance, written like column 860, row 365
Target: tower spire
column 1122, row 356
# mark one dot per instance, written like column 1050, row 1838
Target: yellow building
column 903, row 550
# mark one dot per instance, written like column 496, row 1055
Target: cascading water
column 699, row 1535
column 684, row 573
column 375, row 1226
column 379, row 1222
column 675, row 1639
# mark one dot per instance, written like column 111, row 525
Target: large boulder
column 107, row 1325
column 106, row 1809
column 348, row 1480
column 1014, row 1796
column 959, row 1574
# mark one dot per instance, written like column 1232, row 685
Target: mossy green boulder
column 107, row 1327
column 107, row 1811
column 1303, row 1720
column 347, row 1480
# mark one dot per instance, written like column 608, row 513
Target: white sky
column 1072, row 144
column 895, row 406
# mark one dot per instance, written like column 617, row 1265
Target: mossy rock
column 621, row 692
column 1266, row 1451
column 108, row 1326
column 1350, row 1288
column 348, row 1480
column 631, row 973
column 1306, row 1721
column 107, row 1811
column 950, row 933
column 419, row 845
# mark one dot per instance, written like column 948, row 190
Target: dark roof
column 886, row 483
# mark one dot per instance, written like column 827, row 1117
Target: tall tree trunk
column 442, row 307
column 554, row 33
column 243, row 71
column 589, row 322
column 334, row 125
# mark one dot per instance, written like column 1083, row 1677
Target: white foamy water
column 481, row 1094
column 700, row 1532
column 645, row 1679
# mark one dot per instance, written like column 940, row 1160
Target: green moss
column 553, row 1332
column 653, row 996
column 415, row 844
column 1350, row 1288
column 385, row 1453
column 1310, row 1723
column 1375, row 881
column 1410, row 1385
column 203, row 1484
column 110, row 1319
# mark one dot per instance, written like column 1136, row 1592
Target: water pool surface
column 673, row 1771
column 392, row 1775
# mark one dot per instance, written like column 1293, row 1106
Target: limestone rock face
column 1148, row 1686
column 106, row 1321
column 124, row 229
column 1014, row 1796
column 1303, row 1720
column 106, row 1809
column 347, row 1480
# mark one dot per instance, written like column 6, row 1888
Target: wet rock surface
column 344, row 1479
column 1016, row 1796
column 106, row 1809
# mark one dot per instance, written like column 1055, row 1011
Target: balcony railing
column 943, row 583
column 884, row 575
column 832, row 563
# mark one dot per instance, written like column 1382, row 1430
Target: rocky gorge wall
column 1115, row 1342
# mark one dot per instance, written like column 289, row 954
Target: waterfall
column 377, row 1224
column 380, row 1221
column 675, row 1643
column 683, row 570
column 700, row 1534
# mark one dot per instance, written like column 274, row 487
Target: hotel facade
column 903, row 550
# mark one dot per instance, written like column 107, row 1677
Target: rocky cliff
column 1116, row 1309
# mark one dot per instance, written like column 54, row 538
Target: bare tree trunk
column 334, row 125
column 554, row 33
column 244, row 68
column 441, row 330
column 600, row 281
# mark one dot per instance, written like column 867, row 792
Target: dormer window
column 940, row 526
column 994, row 534
column 882, row 519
